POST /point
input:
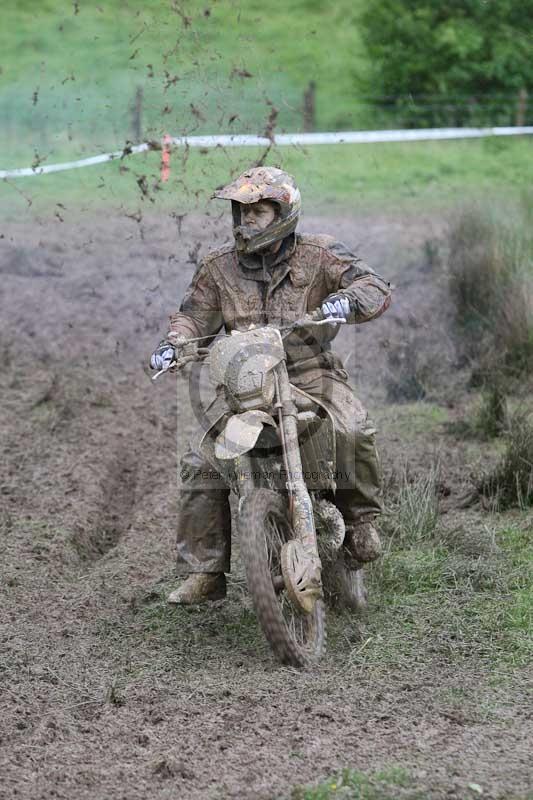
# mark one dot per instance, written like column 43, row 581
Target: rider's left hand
column 336, row 306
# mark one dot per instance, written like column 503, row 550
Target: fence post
column 309, row 108
column 136, row 117
column 521, row 108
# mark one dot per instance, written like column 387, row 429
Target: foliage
column 489, row 417
column 511, row 482
column 492, row 418
column 491, row 287
column 409, row 370
column 453, row 63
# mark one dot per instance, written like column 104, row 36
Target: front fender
column 241, row 434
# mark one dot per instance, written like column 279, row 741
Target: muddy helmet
column 263, row 183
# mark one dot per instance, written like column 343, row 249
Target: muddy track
column 106, row 692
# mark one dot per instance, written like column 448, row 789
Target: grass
column 509, row 617
column 450, row 591
column 414, row 418
column 443, row 611
column 193, row 635
column 407, row 373
column 491, row 286
column 492, row 416
column 387, row 784
column 486, row 418
column 69, row 73
column 510, row 483
column 393, row 783
column 69, row 76
column 340, row 178
column 415, row 513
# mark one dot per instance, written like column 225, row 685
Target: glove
column 335, row 306
column 163, row 356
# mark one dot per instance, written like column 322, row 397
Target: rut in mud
column 115, row 508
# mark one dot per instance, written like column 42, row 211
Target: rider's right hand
column 163, row 356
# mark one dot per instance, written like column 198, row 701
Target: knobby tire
column 296, row 639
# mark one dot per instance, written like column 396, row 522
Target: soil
column 105, row 691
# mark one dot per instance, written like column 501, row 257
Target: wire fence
column 66, row 122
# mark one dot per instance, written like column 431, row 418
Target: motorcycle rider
column 272, row 275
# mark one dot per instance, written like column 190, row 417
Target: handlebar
column 310, row 320
column 313, row 320
column 198, row 355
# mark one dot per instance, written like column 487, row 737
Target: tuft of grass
column 407, row 373
column 414, row 515
column 432, row 254
column 388, row 784
column 492, row 416
column 474, row 266
column 491, row 286
column 511, row 482
column 488, row 419
column 450, row 588
column 436, row 602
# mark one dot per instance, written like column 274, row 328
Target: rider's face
column 258, row 216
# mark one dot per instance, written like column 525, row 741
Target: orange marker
column 165, row 158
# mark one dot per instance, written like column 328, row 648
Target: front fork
column 300, row 560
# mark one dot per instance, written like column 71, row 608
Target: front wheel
column 297, row 638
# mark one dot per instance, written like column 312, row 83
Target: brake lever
column 200, row 354
column 165, row 369
column 303, row 323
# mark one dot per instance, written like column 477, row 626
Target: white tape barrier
column 279, row 140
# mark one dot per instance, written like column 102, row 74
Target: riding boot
column 199, row 587
column 361, row 542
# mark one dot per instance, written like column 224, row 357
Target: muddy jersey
column 227, row 292
column 235, row 292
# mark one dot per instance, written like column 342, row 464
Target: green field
column 341, row 178
column 69, row 74
column 68, row 80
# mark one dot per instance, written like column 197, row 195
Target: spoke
column 298, row 626
column 293, row 628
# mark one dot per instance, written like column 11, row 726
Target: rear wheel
column 296, row 637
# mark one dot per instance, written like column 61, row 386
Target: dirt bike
column 275, row 448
